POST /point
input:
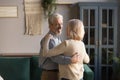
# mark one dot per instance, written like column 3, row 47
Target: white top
column 1, row 78
column 68, row 48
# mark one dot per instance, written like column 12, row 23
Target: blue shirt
column 50, row 63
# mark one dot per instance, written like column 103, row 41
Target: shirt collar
column 52, row 33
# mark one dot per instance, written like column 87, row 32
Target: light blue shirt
column 50, row 63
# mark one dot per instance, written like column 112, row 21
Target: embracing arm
column 61, row 59
column 54, row 51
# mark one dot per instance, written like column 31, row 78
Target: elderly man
column 49, row 65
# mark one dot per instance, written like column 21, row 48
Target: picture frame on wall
column 8, row 11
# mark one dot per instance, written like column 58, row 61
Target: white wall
column 12, row 38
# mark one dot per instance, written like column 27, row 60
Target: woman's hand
column 48, row 37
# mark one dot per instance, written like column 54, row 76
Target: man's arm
column 61, row 59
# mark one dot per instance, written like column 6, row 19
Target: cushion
column 34, row 69
column 88, row 73
column 15, row 68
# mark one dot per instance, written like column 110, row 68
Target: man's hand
column 75, row 58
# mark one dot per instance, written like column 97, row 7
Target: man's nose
column 60, row 27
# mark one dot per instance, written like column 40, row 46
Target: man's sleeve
column 61, row 59
column 41, row 58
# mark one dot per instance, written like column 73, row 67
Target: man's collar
column 52, row 33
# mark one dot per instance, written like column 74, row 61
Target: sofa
column 26, row 68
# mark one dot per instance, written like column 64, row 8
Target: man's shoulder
column 43, row 38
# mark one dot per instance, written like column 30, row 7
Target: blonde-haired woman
column 74, row 44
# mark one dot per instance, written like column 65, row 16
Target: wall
column 12, row 38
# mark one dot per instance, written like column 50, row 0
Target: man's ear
column 50, row 26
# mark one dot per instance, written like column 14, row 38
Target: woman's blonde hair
column 75, row 29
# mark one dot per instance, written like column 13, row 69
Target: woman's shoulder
column 66, row 42
column 82, row 43
column 69, row 41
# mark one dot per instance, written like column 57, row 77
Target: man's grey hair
column 54, row 17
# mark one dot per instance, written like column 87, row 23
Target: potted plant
column 48, row 6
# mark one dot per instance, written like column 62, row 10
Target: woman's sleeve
column 54, row 51
column 86, row 57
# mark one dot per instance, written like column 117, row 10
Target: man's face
column 57, row 26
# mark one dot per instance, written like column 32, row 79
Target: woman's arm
column 54, row 51
column 86, row 58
